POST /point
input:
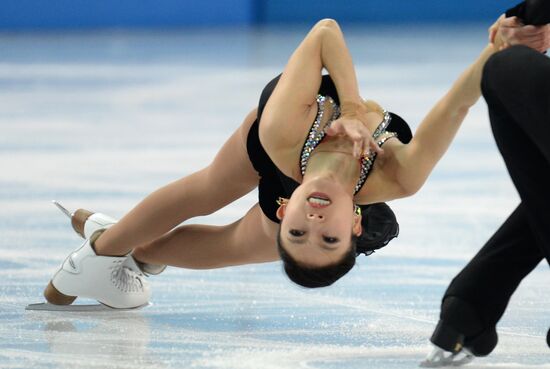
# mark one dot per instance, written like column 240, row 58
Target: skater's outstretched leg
column 194, row 246
column 99, row 269
column 229, row 177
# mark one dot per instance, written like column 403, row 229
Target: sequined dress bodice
column 317, row 133
column 273, row 183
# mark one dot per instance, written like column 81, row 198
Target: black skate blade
column 45, row 306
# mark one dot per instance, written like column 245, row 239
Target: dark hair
column 313, row 277
column 379, row 227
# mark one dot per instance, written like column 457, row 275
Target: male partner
column 516, row 87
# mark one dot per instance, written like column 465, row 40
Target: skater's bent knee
column 504, row 61
column 502, row 68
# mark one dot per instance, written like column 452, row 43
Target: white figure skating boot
column 103, row 278
column 117, row 282
column 85, row 223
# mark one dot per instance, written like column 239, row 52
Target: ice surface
column 99, row 120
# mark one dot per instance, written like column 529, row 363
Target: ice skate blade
column 63, row 209
column 78, row 217
column 439, row 358
column 46, row 306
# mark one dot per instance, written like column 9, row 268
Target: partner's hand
column 356, row 131
column 494, row 28
column 510, row 31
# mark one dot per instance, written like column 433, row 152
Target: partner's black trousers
column 516, row 87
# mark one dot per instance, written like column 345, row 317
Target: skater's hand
column 511, row 31
column 357, row 132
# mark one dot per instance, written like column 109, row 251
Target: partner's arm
column 535, row 12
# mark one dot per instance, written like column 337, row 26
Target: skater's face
column 317, row 223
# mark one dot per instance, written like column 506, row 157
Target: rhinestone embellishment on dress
column 381, row 136
column 316, row 135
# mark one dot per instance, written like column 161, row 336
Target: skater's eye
column 296, row 233
column 330, row 239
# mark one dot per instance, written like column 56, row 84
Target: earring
column 357, row 210
column 281, row 200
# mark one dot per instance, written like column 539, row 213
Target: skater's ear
column 281, row 210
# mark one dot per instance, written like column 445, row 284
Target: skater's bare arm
column 295, row 95
column 414, row 162
column 297, row 89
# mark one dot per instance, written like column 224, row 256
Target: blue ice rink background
column 98, row 119
column 96, row 14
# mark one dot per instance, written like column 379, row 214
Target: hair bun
column 379, row 227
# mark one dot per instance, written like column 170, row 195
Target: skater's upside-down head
column 321, row 276
column 318, row 233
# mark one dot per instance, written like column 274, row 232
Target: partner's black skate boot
column 459, row 336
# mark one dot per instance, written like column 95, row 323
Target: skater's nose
column 315, row 217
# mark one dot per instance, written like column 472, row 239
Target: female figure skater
column 314, row 143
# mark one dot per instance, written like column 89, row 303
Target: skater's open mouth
column 318, row 200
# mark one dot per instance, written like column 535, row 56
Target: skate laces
column 124, row 278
